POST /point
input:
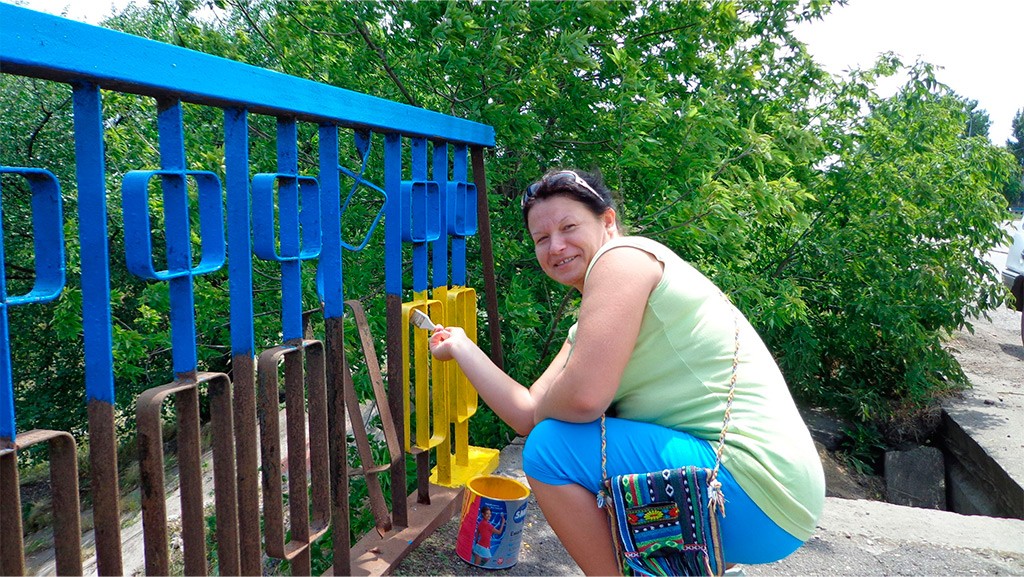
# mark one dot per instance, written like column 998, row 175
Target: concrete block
column 916, row 478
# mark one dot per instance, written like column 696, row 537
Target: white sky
column 977, row 44
column 91, row 11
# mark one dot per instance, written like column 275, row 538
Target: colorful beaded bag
column 666, row 522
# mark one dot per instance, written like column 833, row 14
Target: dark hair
column 563, row 182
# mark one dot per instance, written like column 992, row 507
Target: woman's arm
column 511, row 401
column 611, row 312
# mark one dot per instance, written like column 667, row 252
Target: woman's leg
column 580, row 525
column 569, row 454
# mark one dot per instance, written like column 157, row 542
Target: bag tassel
column 716, row 498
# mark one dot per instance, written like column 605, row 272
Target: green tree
column 1016, row 142
column 1014, row 190
column 978, row 121
column 888, row 263
column 844, row 224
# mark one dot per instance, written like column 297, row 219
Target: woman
column 653, row 346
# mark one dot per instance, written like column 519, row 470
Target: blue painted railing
column 287, row 217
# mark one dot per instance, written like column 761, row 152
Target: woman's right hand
column 511, row 401
column 444, row 340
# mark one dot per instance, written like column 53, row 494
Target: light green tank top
column 678, row 377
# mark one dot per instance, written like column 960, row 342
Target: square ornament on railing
column 421, row 211
column 299, row 235
column 138, row 241
column 461, row 203
column 47, row 236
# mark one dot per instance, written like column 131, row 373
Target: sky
column 976, row 44
column 972, row 43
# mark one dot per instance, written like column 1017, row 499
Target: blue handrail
column 45, row 46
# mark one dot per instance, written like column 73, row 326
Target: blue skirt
column 560, row 453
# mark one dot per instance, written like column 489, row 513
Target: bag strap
column 717, row 498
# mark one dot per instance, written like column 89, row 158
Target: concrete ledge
column 876, row 538
column 882, row 522
column 983, row 429
column 978, row 484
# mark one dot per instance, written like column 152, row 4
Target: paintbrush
column 419, row 319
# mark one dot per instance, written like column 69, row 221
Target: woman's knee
column 549, row 449
column 539, row 441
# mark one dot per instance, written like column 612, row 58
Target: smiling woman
column 658, row 356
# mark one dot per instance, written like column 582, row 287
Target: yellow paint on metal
column 469, row 462
column 431, row 387
column 441, row 390
column 462, row 312
column 480, row 461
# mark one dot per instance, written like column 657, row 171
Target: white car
column 1013, row 273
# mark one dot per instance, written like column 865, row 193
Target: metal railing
column 285, row 217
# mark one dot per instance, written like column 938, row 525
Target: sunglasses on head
column 555, row 179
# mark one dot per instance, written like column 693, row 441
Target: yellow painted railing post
column 430, row 391
column 463, row 399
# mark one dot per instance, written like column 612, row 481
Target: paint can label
column 491, row 522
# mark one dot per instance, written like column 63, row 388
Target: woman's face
column 566, row 236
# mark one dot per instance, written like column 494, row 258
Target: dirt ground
column 994, row 350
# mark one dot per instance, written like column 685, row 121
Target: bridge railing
column 288, row 218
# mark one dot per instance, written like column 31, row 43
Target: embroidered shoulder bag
column 666, row 522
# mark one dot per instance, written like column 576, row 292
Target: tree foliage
column 847, row 226
column 978, row 121
column 1014, row 190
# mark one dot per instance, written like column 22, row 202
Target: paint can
column 491, row 522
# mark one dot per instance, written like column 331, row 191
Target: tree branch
column 384, row 61
column 661, row 32
column 47, row 115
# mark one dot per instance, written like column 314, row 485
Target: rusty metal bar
column 190, row 482
column 298, row 498
column 304, row 530
column 370, row 469
column 12, row 549
column 224, row 479
column 67, row 525
column 247, row 465
column 151, row 468
column 487, row 257
column 396, row 402
column 337, row 445
column 316, row 390
column 104, row 486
